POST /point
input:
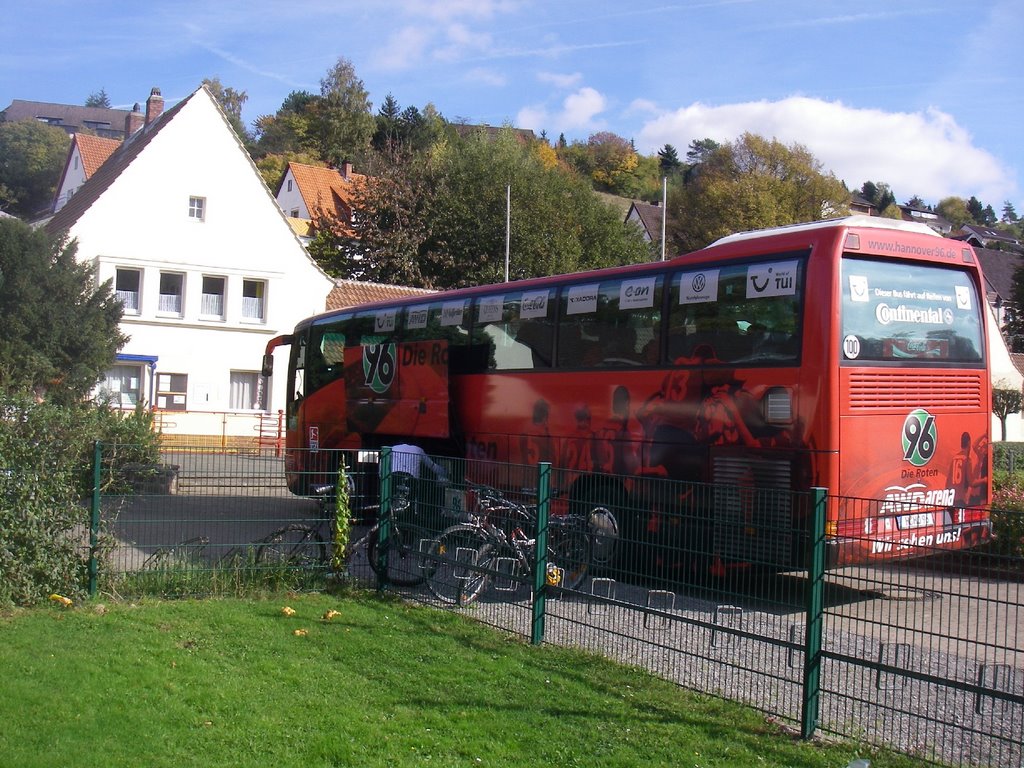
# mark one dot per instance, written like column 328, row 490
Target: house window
column 126, row 289
column 289, row 185
column 253, row 292
column 197, row 208
column 76, row 162
column 295, row 213
column 122, row 385
column 172, row 391
column 247, row 392
column 171, row 285
column 213, row 297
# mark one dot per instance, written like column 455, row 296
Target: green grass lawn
column 230, row 683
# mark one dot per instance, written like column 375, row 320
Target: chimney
column 154, row 105
column 133, row 121
column 346, row 169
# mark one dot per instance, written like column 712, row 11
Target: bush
column 46, row 470
column 1007, row 514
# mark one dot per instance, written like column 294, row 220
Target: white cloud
column 462, row 42
column 404, row 49
column 560, row 80
column 580, row 108
column 642, row 106
column 917, row 153
column 486, row 77
column 578, row 114
column 446, row 10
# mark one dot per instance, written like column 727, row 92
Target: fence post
column 384, row 530
column 540, row 560
column 815, row 609
column 94, row 521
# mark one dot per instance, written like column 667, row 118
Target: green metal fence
column 922, row 653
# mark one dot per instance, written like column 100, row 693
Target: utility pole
column 664, row 212
column 508, row 225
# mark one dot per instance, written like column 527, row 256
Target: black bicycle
column 497, row 546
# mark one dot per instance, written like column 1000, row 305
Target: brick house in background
column 204, row 262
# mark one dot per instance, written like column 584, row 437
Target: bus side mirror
column 268, row 366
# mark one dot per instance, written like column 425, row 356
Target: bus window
column 739, row 313
column 900, row 311
column 615, row 323
column 325, row 354
column 518, row 329
column 448, row 321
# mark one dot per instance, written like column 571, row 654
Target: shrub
column 46, row 458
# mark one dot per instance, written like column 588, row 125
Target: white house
column 205, row 263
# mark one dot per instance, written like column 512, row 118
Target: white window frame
column 197, row 208
column 130, row 300
column 214, row 305
column 247, row 391
column 254, row 308
column 167, row 306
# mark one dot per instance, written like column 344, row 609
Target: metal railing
column 923, row 652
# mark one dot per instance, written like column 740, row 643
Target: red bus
column 848, row 354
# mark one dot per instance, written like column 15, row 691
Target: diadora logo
column 919, row 437
column 379, row 366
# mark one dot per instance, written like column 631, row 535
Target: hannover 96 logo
column 919, row 437
column 379, row 366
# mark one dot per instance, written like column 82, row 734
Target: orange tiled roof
column 326, row 191
column 94, row 151
column 353, row 293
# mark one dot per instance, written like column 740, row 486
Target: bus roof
column 870, row 222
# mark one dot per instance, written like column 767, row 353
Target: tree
column 32, row 156
column 1013, row 326
column 342, row 120
column 231, row 101
column 752, row 183
column 60, row 330
column 1004, row 402
column 98, row 99
column 917, row 202
column 290, row 129
column 956, row 211
column 668, row 160
column 613, row 162
column 437, row 219
column 1009, row 213
column 879, row 194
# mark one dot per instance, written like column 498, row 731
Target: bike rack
column 507, row 572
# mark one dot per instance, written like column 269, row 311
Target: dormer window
column 197, row 208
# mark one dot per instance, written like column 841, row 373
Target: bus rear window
column 904, row 312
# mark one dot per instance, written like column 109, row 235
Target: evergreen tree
column 668, row 160
column 98, row 99
column 60, row 330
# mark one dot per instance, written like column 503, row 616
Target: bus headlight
column 778, row 406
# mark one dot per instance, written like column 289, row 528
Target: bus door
column 398, row 388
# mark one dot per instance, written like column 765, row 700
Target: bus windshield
column 897, row 311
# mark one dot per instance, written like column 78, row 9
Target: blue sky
column 925, row 95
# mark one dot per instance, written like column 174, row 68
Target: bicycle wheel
column 404, row 564
column 457, row 564
column 570, row 548
column 293, row 546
